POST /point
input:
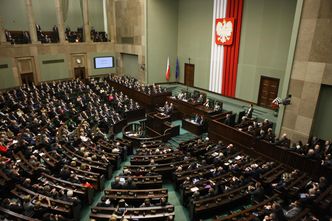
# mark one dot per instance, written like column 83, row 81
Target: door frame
column 79, row 60
column 32, row 69
column 260, row 87
column 185, row 65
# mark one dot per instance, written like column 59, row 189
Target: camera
column 287, row 100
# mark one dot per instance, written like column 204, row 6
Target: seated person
column 217, row 106
column 251, row 130
column 249, row 112
column 38, row 210
column 198, row 119
column 322, row 184
column 121, row 208
column 227, row 120
column 105, row 202
column 283, row 141
column 311, row 194
column 165, row 107
column 207, row 103
column 146, row 203
column 261, row 135
column 117, row 184
column 294, row 209
column 129, row 184
column 162, row 202
column 327, row 161
column 200, row 99
column 270, row 137
column 170, row 109
column 257, row 192
column 12, row 204
column 182, row 96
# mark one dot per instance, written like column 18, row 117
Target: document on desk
column 194, row 189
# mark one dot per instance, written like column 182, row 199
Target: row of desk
column 149, row 101
column 189, row 108
column 220, row 131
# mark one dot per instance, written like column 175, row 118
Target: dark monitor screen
column 104, row 62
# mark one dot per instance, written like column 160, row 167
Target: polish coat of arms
column 224, row 31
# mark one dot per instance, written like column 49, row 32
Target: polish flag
column 168, row 70
column 225, row 46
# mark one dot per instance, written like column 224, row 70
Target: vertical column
column 3, row 39
column 86, row 24
column 32, row 23
column 105, row 16
column 60, row 22
column 110, row 4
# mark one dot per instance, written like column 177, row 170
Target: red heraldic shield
column 224, row 31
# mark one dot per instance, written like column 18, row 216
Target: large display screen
column 104, row 62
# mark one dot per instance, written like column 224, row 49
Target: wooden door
column 268, row 91
column 79, row 72
column 189, row 70
column 27, row 78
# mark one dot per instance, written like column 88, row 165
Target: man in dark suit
column 283, row 141
column 227, row 120
column 270, row 137
column 250, row 111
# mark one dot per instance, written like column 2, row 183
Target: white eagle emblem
column 224, row 31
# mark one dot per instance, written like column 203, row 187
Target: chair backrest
column 233, row 116
column 196, row 94
column 241, row 114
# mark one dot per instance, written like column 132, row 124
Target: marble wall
column 129, row 22
column 312, row 67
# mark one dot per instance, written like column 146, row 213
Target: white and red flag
column 168, row 70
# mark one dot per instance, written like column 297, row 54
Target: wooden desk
column 14, row 215
column 254, row 208
column 96, row 166
column 164, row 169
column 187, row 108
column 145, row 182
column 205, row 207
column 134, row 115
column 154, row 213
column 149, row 101
column 81, row 191
column 156, row 122
column 162, row 117
column 58, row 206
column 194, row 128
column 136, row 197
column 160, row 159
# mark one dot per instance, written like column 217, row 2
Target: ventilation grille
column 3, row 66
column 53, row 61
column 127, row 40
